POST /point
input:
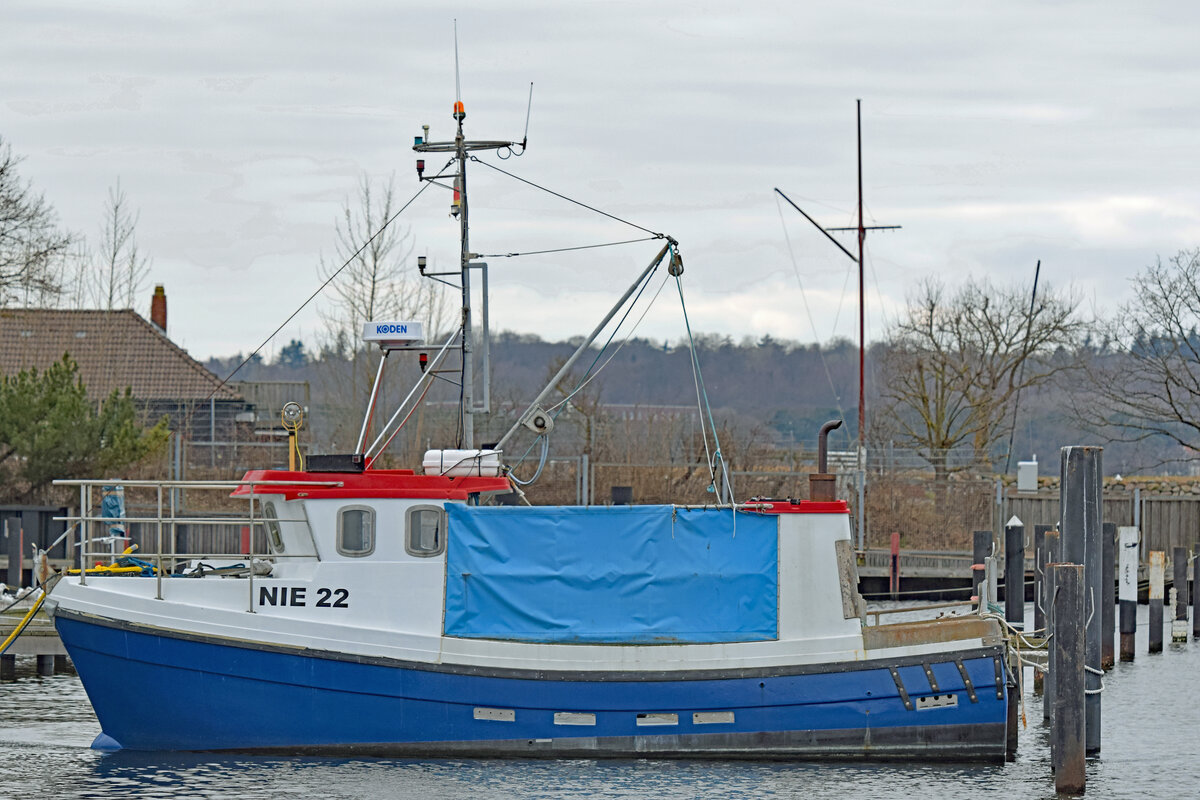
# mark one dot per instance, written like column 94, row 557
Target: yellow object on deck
column 117, row 568
column 108, row 569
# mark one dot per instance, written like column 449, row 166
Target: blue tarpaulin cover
column 636, row 574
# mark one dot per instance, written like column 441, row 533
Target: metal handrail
column 877, row 613
column 162, row 517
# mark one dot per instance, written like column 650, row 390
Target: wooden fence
column 1166, row 521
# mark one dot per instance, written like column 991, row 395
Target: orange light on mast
column 459, row 111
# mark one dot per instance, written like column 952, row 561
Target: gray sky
column 996, row 134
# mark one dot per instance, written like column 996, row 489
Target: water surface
column 1150, row 713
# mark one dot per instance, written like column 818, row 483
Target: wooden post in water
column 992, row 570
column 894, row 568
column 1108, row 576
column 982, row 548
column 1014, row 573
column 1068, row 730
column 1179, row 559
column 1157, row 569
column 1129, row 590
column 1196, row 598
column 8, row 667
column 1081, row 502
column 1053, row 556
column 1039, row 574
column 1014, row 615
column 1039, row 580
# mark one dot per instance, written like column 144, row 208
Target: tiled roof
column 114, row 349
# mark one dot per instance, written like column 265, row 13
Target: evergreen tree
column 49, row 429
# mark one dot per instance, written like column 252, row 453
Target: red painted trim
column 801, row 507
column 375, row 483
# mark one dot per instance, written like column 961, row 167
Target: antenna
column 528, row 109
column 460, row 147
column 457, row 83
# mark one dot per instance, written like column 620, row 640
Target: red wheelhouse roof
column 373, row 483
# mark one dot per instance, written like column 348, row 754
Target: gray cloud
column 996, row 135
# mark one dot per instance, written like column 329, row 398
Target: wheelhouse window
column 274, row 535
column 425, row 531
column 356, row 531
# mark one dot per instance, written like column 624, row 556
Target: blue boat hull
column 154, row 690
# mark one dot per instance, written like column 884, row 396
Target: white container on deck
column 462, row 463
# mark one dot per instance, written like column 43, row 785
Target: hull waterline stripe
column 535, row 674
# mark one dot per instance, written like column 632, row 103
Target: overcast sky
column 995, row 134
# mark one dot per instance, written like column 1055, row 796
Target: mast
column 460, row 149
column 862, row 348
column 467, row 410
column 862, row 229
column 862, row 314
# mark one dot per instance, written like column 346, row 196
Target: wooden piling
column 8, row 667
column 1179, row 558
column 1039, row 579
column 1196, row 598
column 1129, row 590
column 62, row 664
column 1081, row 501
column 1068, row 731
column 1014, row 615
column 1053, row 556
column 982, row 548
column 1014, row 573
column 992, row 571
column 1108, row 577
column 894, row 567
column 1039, row 574
column 45, row 666
column 1157, row 570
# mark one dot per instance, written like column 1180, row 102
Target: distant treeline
column 784, row 388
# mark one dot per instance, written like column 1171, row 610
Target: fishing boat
column 404, row 612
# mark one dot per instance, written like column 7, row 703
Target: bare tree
column 120, row 269
column 1145, row 380
column 376, row 282
column 32, row 246
column 954, row 364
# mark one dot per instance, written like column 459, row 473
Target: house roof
column 114, row 349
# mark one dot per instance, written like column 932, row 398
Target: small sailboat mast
column 861, row 228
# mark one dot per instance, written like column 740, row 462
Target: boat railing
column 880, row 612
column 96, row 539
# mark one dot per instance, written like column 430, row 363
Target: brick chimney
column 158, row 308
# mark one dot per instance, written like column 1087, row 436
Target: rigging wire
column 715, row 456
column 588, row 374
column 400, row 427
column 624, row 341
column 811, row 321
column 313, row 296
column 842, row 300
column 653, row 234
column 567, row 249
